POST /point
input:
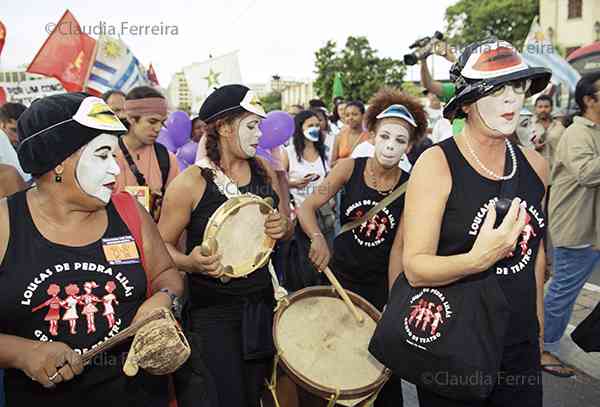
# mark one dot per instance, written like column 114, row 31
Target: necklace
column 373, row 180
column 513, row 157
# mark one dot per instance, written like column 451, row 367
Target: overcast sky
column 272, row 36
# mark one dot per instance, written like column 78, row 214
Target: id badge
column 120, row 250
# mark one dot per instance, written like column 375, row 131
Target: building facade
column 571, row 24
column 179, row 94
column 297, row 93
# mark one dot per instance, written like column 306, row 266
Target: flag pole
column 92, row 61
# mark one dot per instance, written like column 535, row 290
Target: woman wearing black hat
column 68, row 260
column 224, row 315
column 453, row 229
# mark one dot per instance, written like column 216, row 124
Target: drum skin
column 323, row 348
column 237, row 228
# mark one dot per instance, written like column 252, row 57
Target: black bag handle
column 141, row 180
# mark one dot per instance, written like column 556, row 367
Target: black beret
column 228, row 100
column 52, row 129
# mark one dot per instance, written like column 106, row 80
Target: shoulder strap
column 164, row 164
column 127, row 209
column 388, row 200
column 139, row 177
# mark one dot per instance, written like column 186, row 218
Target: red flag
column 2, row 96
column 66, row 54
column 152, row 76
column 2, row 36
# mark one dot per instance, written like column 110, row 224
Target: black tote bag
column 448, row 340
column 587, row 333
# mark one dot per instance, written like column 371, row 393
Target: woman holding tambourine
column 455, row 236
column 232, row 318
column 372, row 205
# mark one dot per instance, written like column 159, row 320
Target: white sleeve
column 8, row 155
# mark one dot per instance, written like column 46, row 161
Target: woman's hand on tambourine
column 276, row 225
column 50, row 363
column 319, row 253
column 207, row 265
column 493, row 245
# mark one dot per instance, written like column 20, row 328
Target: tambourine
column 236, row 231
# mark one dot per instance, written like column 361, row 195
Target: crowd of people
column 391, row 192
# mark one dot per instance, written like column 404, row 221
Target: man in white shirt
column 8, row 155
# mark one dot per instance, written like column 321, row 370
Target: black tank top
column 463, row 217
column 204, row 289
column 76, row 295
column 362, row 254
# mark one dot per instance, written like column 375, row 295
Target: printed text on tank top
column 80, row 295
column 519, row 258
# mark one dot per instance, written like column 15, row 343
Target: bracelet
column 316, row 234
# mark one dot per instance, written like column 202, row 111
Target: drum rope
column 272, row 386
column 334, row 398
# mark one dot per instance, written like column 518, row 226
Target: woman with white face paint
column 454, row 230
column 65, row 234
column 217, row 309
column 361, row 255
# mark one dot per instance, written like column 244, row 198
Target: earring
column 58, row 173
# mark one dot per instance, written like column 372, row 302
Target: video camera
column 424, row 48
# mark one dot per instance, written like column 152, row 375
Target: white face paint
column 391, row 142
column 501, row 113
column 97, row 168
column 249, row 134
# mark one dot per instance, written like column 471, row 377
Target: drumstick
column 340, row 290
column 120, row 337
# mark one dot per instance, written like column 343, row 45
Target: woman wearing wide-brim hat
column 450, row 212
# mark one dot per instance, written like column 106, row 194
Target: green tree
column 363, row 72
column 271, row 101
column 474, row 20
column 411, row 89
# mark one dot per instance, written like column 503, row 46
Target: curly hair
column 214, row 154
column 386, row 97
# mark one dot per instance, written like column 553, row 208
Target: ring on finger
column 53, row 377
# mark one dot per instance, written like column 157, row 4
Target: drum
column 323, row 348
column 236, row 231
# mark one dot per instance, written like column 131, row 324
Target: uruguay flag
column 115, row 67
column 539, row 51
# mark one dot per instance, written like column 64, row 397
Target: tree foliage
column 474, row 20
column 363, row 71
column 271, row 101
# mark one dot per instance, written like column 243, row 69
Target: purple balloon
column 276, row 128
column 186, row 155
column 266, row 154
column 179, row 127
column 165, row 140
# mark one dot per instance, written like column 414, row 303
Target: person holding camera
column 451, row 216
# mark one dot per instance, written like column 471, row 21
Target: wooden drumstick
column 342, row 293
column 120, row 337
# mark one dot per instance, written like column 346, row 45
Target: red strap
column 128, row 210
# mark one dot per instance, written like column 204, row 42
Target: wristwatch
column 175, row 303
